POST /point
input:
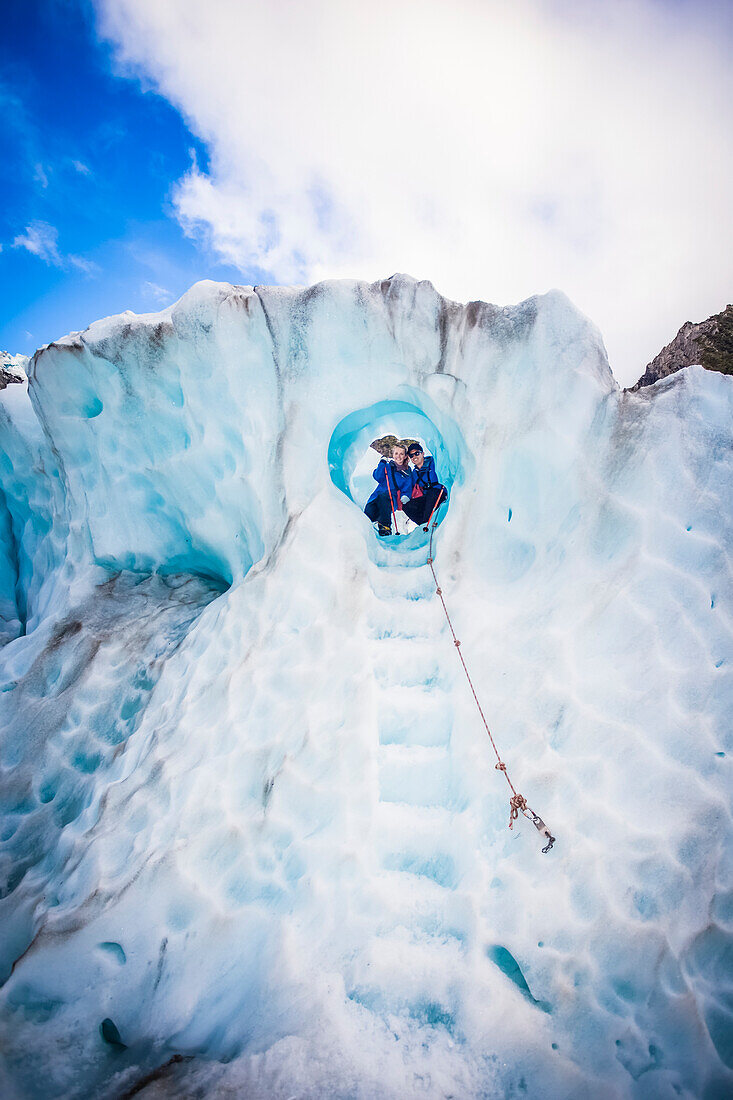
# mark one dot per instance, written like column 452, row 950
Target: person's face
column 417, row 458
column 399, row 454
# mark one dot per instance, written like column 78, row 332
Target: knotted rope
column 517, row 803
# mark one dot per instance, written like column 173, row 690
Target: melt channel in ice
column 253, row 842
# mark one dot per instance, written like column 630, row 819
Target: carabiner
column 542, row 828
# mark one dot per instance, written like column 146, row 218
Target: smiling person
column 395, row 480
column 427, row 490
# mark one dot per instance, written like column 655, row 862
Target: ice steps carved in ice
column 415, row 719
column 392, row 974
column 419, row 776
column 419, row 833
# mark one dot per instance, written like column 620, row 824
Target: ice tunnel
column 408, row 413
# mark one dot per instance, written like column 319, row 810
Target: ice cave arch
column 408, row 413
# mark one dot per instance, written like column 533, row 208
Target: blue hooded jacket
column 426, row 477
column 401, row 483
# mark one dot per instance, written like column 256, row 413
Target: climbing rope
column 517, row 803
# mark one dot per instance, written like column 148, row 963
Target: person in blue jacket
column 397, row 476
column 427, row 490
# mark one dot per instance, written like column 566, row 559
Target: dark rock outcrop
column 709, row 343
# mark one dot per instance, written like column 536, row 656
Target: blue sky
column 498, row 150
column 89, row 159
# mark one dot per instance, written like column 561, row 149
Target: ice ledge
column 402, row 296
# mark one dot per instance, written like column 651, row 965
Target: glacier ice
column 252, row 838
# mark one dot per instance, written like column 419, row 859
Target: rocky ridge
column 708, row 342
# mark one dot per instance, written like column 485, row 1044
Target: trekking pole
column 389, row 490
column 438, row 502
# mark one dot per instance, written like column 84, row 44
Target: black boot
column 383, row 531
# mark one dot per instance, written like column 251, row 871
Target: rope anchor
column 517, row 803
column 542, row 830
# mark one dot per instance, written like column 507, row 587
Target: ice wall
column 252, row 835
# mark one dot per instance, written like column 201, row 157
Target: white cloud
column 87, row 266
column 82, row 168
column 496, row 149
column 41, row 240
column 40, row 175
column 157, row 293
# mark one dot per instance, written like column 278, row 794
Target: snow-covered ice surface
column 253, row 841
